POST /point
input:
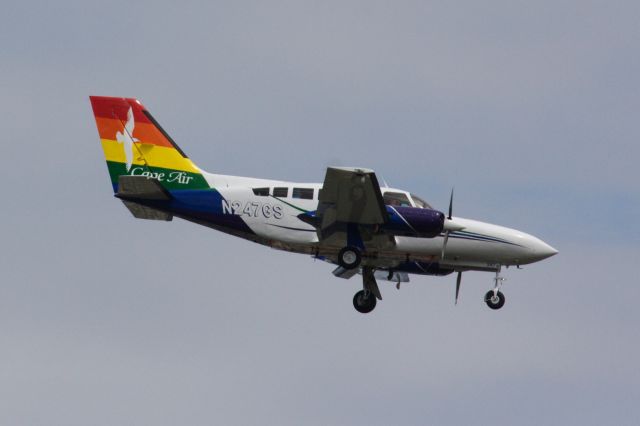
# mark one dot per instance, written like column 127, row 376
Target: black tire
column 362, row 303
column 349, row 257
column 491, row 302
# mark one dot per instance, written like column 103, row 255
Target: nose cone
column 541, row 250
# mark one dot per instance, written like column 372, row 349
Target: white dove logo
column 127, row 138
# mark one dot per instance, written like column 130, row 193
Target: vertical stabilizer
column 134, row 144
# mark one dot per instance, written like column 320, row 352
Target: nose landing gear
column 494, row 298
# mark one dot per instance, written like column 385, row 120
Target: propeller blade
column 458, row 285
column 446, row 234
column 444, row 245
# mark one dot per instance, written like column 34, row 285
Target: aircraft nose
column 542, row 250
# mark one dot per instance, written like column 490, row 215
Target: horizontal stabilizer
column 141, row 187
column 140, row 211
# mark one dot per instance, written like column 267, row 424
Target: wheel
column 349, row 258
column 364, row 303
column 494, row 301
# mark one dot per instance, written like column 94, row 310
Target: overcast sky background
column 530, row 108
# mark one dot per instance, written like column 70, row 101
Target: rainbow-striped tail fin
column 135, row 144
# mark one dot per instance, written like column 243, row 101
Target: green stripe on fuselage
column 291, row 205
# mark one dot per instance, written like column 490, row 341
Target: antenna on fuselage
column 384, row 182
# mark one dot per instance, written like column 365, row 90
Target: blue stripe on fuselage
column 201, row 204
column 206, row 205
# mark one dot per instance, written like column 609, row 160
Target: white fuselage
column 274, row 220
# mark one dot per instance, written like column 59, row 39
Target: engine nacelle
column 414, row 221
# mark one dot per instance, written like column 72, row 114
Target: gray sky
column 529, row 108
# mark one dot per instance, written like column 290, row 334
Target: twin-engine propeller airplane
column 349, row 220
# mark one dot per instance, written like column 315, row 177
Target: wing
column 351, row 195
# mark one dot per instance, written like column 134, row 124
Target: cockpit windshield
column 396, row 199
column 419, row 202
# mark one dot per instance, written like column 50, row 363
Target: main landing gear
column 349, row 257
column 494, row 298
column 365, row 300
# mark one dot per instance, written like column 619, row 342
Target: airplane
column 349, row 220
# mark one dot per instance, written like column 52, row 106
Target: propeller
column 458, row 280
column 446, row 233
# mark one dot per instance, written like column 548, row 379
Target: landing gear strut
column 494, row 298
column 365, row 300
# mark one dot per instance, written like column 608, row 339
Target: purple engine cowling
column 415, row 221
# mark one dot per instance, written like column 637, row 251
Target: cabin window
column 263, row 192
column 396, row 199
column 281, row 192
column 304, row 193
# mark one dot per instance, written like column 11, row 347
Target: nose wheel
column 494, row 298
